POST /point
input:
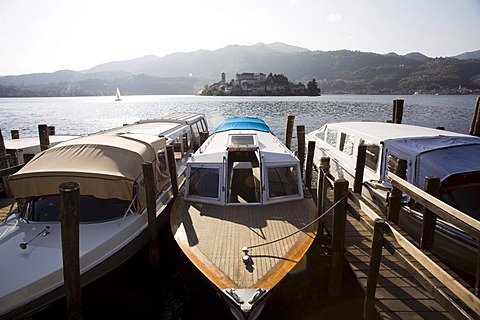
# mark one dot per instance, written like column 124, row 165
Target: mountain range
column 341, row 71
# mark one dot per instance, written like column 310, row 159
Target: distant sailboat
column 117, row 96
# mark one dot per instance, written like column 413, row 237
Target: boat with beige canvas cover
column 112, row 204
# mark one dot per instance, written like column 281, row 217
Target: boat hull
column 103, row 247
column 213, row 236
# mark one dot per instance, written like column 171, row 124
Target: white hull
column 35, row 281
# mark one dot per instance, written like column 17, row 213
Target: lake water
column 82, row 115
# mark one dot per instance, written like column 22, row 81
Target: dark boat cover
column 440, row 156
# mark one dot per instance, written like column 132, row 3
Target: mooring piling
column 149, row 178
column 69, row 215
column 301, row 146
column 172, row 167
column 475, row 126
column 340, row 191
column 289, row 131
column 397, row 111
column 43, row 136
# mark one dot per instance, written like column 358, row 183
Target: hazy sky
column 51, row 35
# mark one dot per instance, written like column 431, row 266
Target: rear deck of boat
column 212, row 237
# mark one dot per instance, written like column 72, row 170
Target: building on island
column 259, row 84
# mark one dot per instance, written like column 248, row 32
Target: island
column 259, row 84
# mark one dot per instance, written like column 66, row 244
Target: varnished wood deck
column 213, row 236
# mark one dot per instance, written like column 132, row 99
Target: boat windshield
column 282, row 181
column 204, row 182
column 91, row 209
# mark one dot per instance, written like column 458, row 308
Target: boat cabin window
column 203, row 125
column 332, row 137
column 186, row 142
column 196, row 129
column 91, row 209
column 178, row 148
column 204, row 182
column 282, row 181
column 347, row 142
column 320, row 135
column 181, row 145
column 373, row 155
column 462, row 191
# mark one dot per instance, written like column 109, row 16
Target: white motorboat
column 244, row 221
column 31, row 145
column 113, row 219
column 452, row 157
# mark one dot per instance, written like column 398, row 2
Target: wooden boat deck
column 212, row 237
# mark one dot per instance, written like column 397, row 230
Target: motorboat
column 31, row 145
column 112, row 204
column 452, row 157
column 243, row 218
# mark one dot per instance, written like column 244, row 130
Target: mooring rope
column 297, row 231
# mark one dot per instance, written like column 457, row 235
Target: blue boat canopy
column 440, row 156
column 243, row 123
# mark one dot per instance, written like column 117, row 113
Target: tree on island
column 278, row 79
column 312, row 88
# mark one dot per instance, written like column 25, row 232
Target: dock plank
column 398, row 295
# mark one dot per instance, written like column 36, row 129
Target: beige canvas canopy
column 105, row 166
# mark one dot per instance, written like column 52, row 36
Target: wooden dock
column 399, row 295
column 398, row 280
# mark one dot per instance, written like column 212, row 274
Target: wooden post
column 475, row 126
column 477, row 274
column 359, row 170
column 432, row 186
column 322, row 193
column 373, row 269
column 43, row 135
column 322, row 182
column 15, row 134
column 397, row 111
column 69, row 215
column 395, row 198
column 309, row 166
column 51, row 130
column 338, row 238
column 149, row 179
column 3, row 165
column 172, row 167
column 289, row 132
column 3, row 150
column 301, row 146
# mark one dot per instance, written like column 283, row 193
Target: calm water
column 82, row 115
